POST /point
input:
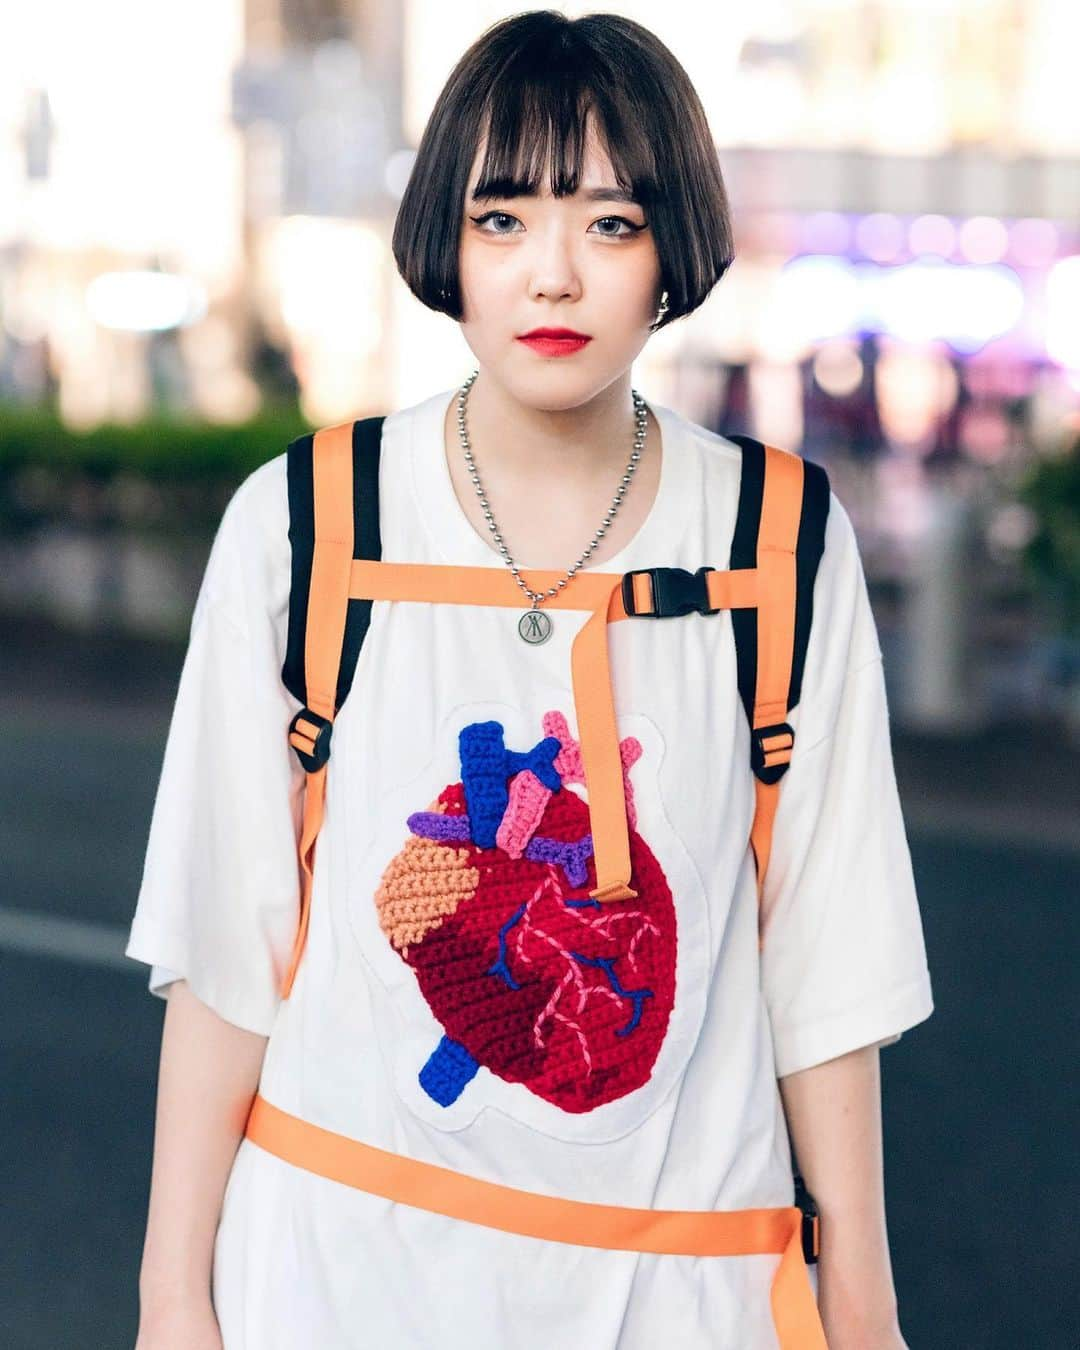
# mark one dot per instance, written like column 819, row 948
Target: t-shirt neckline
column 458, row 542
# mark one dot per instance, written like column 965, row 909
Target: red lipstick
column 554, row 341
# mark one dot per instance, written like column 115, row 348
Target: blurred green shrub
column 159, row 475
column 1051, row 488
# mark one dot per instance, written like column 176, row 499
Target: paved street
column 978, row 1144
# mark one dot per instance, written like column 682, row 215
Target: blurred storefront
column 206, row 229
column 904, row 176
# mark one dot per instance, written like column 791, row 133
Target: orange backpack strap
column 333, row 516
column 780, row 530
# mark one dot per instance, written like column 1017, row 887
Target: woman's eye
column 631, row 228
column 494, row 216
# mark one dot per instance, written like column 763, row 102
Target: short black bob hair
column 529, row 83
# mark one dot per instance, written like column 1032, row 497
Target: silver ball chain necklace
column 534, row 625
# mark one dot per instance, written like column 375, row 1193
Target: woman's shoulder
column 249, row 566
column 257, row 513
column 724, row 457
column 712, row 451
column 263, row 493
column 840, row 593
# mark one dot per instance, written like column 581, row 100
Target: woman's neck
column 550, row 478
column 575, row 447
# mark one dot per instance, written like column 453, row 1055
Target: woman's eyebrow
column 610, row 194
column 493, row 191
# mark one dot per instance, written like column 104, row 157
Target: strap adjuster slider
column 309, row 736
column 770, row 750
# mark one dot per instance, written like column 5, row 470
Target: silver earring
column 660, row 313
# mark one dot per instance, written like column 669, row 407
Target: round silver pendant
column 535, row 626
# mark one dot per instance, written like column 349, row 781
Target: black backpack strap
column 337, row 468
column 366, row 445
column 808, row 551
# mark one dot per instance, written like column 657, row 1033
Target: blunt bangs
column 528, row 89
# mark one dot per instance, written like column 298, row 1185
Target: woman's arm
column 208, row 1074
column 834, row 1117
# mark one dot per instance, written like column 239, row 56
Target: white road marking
column 86, row 944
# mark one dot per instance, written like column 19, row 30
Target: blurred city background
column 196, row 205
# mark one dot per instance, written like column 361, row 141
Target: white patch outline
column 410, row 1030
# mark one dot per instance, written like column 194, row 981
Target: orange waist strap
column 441, row 1190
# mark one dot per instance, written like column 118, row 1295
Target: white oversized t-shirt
column 627, row 1060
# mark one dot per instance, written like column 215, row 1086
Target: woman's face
column 584, row 263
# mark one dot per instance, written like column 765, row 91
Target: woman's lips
column 551, row 346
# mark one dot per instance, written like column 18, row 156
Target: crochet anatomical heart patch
column 487, row 901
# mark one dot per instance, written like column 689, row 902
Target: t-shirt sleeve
column 219, row 898
column 843, row 956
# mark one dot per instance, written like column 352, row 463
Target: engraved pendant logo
column 535, row 626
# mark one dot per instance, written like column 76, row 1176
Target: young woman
column 497, row 1054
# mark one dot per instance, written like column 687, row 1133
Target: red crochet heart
column 528, row 976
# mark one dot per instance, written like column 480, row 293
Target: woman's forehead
column 598, row 180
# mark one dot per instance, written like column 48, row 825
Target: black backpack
column 345, row 460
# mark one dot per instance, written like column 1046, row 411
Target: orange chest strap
column 769, row 588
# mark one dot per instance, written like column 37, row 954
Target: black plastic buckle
column 811, row 1223
column 319, row 752
column 674, row 591
column 769, row 773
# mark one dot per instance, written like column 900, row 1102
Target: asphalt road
column 980, row 1103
